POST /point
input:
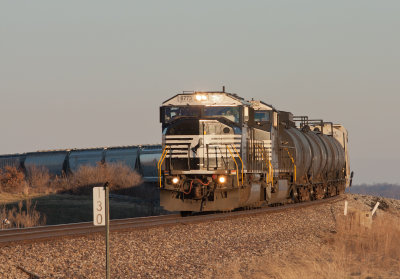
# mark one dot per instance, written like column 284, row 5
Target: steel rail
column 21, row 234
column 54, row 231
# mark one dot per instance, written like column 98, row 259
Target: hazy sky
column 93, row 73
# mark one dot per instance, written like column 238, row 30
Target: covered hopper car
column 142, row 158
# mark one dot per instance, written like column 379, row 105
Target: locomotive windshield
column 171, row 113
column 230, row 113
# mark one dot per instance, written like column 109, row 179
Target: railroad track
column 54, row 231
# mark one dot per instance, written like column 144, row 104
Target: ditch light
column 175, row 180
column 222, row 179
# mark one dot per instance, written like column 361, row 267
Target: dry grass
column 12, row 180
column 366, row 251
column 23, row 216
column 39, row 181
column 118, row 175
column 354, row 251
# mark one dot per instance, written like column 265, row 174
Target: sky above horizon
column 81, row 74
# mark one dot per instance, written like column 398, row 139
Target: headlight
column 175, row 180
column 222, row 179
column 200, row 97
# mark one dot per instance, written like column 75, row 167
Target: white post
column 345, row 208
column 99, row 206
column 101, row 217
column 375, row 208
column 107, row 231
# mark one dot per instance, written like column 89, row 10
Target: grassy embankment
column 351, row 251
column 58, row 200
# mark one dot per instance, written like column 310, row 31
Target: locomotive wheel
column 336, row 190
column 294, row 195
column 319, row 192
column 332, row 190
column 304, row 194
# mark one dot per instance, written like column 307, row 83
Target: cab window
column 230, row 113
column 261, row 116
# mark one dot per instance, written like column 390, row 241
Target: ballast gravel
column 177, row 251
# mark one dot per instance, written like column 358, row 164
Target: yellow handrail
column 239, row 159
column 271, row 173
column 158, row 165
column 160, row 161
column 262, row 155
column 270, row 177
column 294, row 165
column 237, row 167
column 162, row 155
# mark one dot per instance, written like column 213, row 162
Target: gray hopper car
column 142, row 158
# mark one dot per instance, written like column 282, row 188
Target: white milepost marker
column 99, row 206
column 101, row 214
column 375, row 208
column 345, row 208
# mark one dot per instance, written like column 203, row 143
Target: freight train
column 221, row 152
column 141, row 158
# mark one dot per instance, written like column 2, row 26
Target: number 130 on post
column 99, row 206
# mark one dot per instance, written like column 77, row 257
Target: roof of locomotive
column 260, row 105
column 206, row 98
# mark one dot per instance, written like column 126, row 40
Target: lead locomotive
column 221, row 152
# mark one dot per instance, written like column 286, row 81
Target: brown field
column 353, row 250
